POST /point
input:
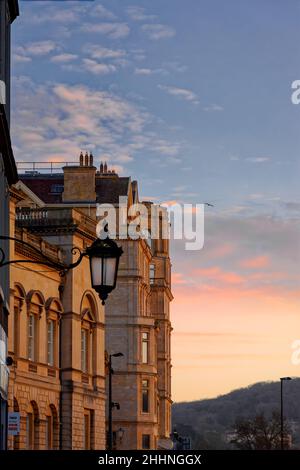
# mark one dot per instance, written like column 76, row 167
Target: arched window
column 19, row 297
column 87, row 333
column 35, row 305
column 52, row 432
column 53, row 313
column 87, row 342
column 32, row 427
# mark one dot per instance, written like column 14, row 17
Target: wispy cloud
column 63, row 16
column 138, row 54
column 138, row 13
column 256, row 262
column 38, row 48
column 55, row 121
column 175, row 66
column 158, row 31
column 258, row 159
column 111, row 30
column 102, row 12
column 147, row 71
column 216, row 274
column 20, row 58
column 213, row 107
column 183, row 93
column 63, row 58
column 291, row 205
column 98, row 68
column 98, row 52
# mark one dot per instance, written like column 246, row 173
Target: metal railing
column 40, row 167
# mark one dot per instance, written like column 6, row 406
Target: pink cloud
column 217, row 274
column 221, row 251
column 255, row 263
column 177, row 278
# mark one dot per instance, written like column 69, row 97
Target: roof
column 6, row 150
column 45, row 186
column 49, row 188
column 108, row 190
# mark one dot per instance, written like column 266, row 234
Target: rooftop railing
column 33, row 168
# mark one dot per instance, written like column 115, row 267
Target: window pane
column 84, row 350
column 145, row 396
column 145, row 348
column 31, row 337
column 50, row 351
column 146, row 441
column 152, row 273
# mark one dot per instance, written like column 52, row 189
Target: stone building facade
column 9, row 10
column 56, row 326
column 137, row 314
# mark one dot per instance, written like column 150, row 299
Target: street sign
column 13, row 427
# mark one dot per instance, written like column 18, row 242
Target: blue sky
column 209, row 83
column 192, row 98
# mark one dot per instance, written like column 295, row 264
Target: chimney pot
column 86, row 159
column 91, row 159
column 81, row 159
column 101, row 168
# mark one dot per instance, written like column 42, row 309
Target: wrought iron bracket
column 62, row 268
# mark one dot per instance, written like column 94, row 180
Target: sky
column 193, row 99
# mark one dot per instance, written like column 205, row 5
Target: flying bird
column 209, row 205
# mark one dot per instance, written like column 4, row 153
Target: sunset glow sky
column 193, row 99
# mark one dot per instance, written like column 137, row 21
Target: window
column 146, row 441
column 31, row 337
column 50, row 342
column 84, row 350
column 57, row 188
column 145, row 348
column 29, row 431
column 16, row 330
column 87, row 429
column 152, row 273
column 145, row 396
column 49, row 432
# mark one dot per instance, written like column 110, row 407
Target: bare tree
column 260, row 433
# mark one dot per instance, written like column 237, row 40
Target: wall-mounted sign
column 13, row 427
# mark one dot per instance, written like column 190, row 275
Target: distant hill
column 210, row 422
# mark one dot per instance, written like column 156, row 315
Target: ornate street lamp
column 104, row 255
column 104, row 258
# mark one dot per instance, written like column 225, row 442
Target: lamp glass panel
column 96, row 267
column 109, row 269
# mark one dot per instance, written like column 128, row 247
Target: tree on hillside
column 260, row 433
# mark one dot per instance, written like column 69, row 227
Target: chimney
column 80, row 181
column 91, row 159
column 101, row 168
